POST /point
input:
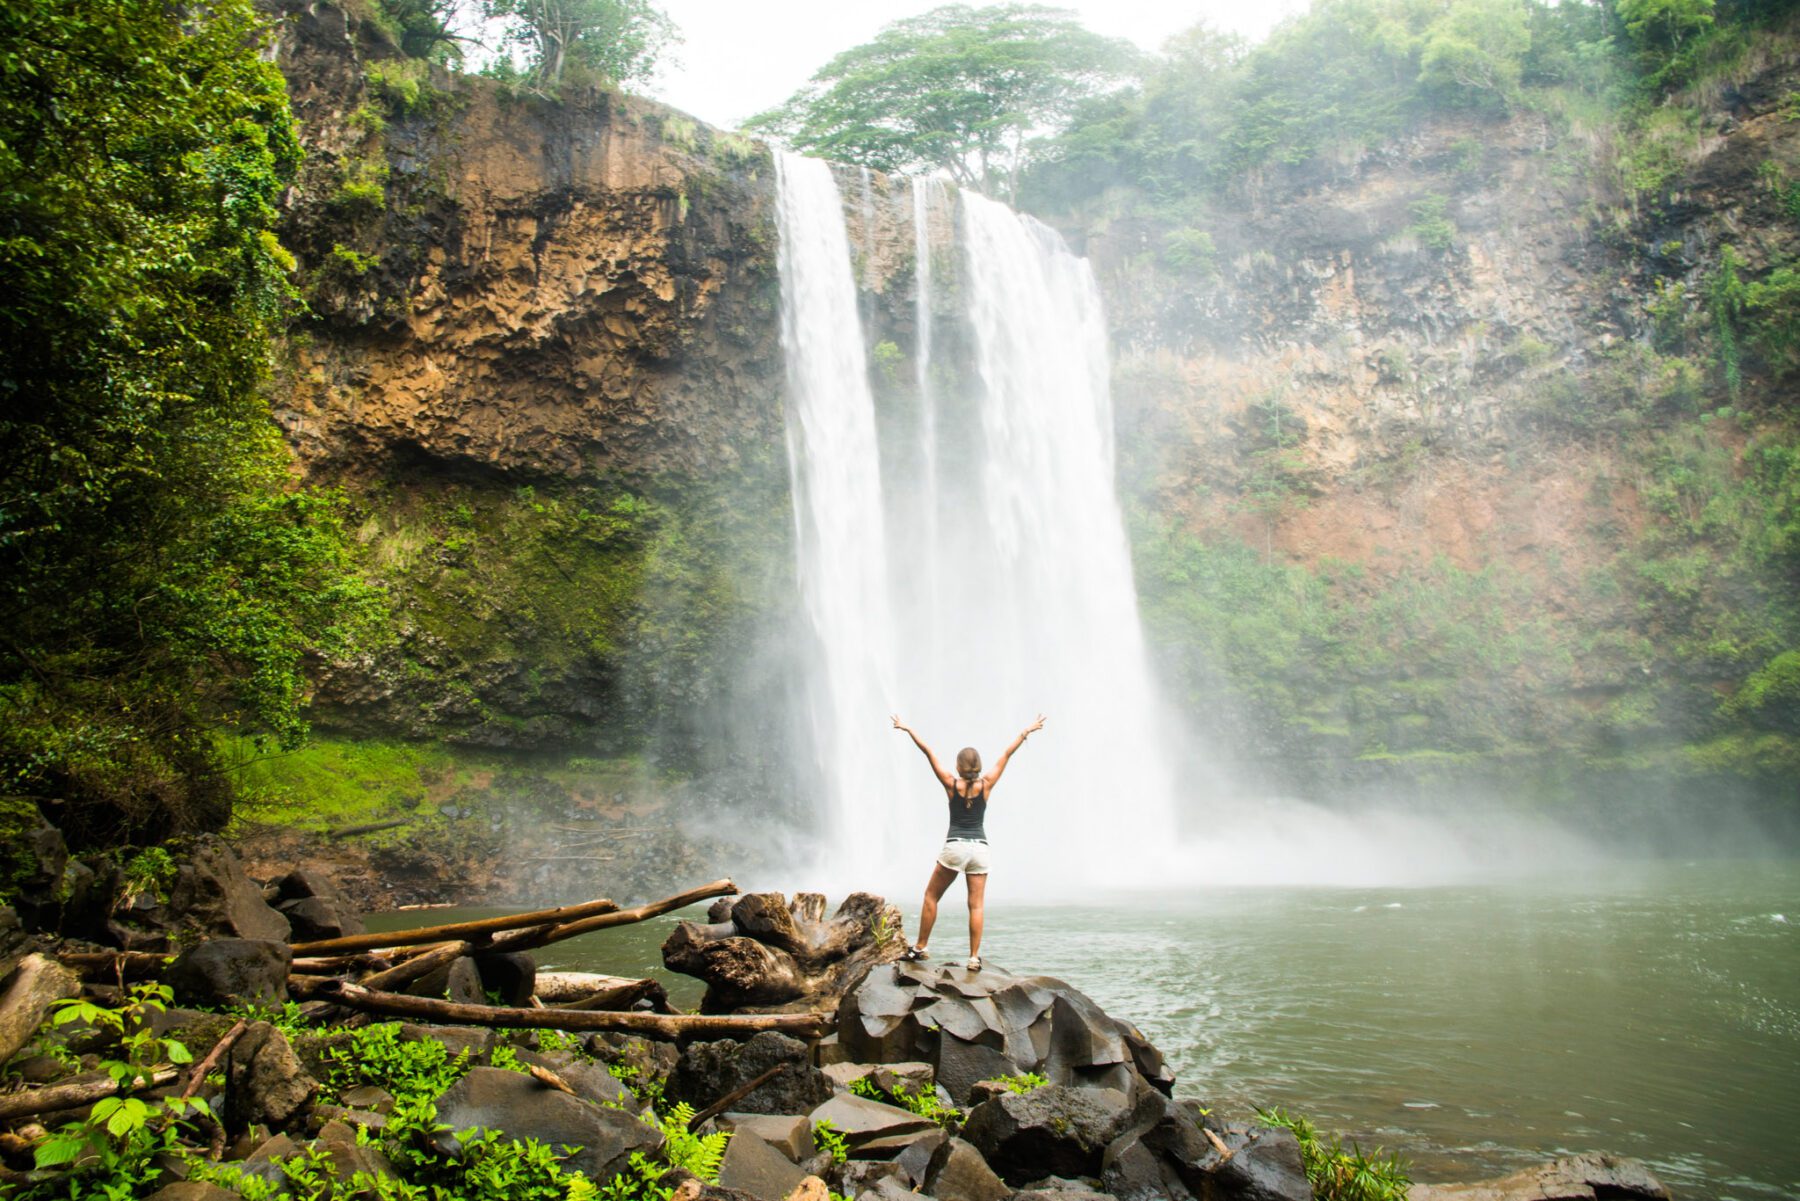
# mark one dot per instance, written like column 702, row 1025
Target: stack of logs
column 364, row 973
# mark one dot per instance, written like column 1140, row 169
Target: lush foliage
column 957, row 89
column 925, row 1102
column 617, row 41
column 161, row 577
column 1337, row 1174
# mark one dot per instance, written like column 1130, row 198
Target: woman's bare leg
column 977, row 894
column 941, row 877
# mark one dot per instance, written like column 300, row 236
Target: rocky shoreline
column 250, row 1055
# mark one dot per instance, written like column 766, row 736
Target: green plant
column 148, row 874
column 120, row 1132
column 1430, row 223
column 1337, row 1174
column 696, row 1153
column 376, row 1055
column 1024, row 1082
column 828, row 1141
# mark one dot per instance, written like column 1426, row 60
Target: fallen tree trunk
column 543, row 936
column 128, row 965
column 37, row 982
column 801, row 1025
column 69, row 1096
column 369, row 828
column 622, row 995
column 455, row 930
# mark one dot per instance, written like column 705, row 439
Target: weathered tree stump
column 759, row 953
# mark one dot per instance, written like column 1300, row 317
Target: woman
column 965, row 846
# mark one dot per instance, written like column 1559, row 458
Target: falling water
column 1034, row 609
column 834, row 462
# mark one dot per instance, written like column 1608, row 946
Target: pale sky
column 741, row 57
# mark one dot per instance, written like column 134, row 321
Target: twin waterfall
column 961, row 557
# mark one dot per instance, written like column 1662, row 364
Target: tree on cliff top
column 617, row 40
column 958, row 89
column 159, row 578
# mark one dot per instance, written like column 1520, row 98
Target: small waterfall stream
column 1005, row 587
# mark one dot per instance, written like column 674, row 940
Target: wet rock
column 519, row 1107
column 787, row 1133
column 1264, row 1166
column 958, row 1173
column 707, row 1071
column 1571, row 1178
column 512, row 977
column 1054, row 1130
column 862, row 1121
column 223, row 972
column 212, row 892
column 757, row 1168
column 265, row 1082
column 974, row 1026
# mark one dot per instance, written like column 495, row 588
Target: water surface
column 1651, row 1011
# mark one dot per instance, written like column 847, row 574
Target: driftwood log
column 70, row 1096
column 36, row 984
column 351, row 996
column 480, row 928
column 764, row 954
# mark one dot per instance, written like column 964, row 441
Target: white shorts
column 964, row 855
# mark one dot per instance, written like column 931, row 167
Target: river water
column 1650, row 1010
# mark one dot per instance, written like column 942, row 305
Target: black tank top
column 966, row 815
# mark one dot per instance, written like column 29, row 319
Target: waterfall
column 1019, row 599
column 835, row 469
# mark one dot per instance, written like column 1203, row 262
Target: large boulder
column 753, row 1166
column 863, row 1122
column 518, row 1106
column 1055, row 1130
column 707, row 1071
column 1571, row 1178
column 973, row 1026
column 958, row 1173
column 212, row 892
column 761, row 953
column 313, row 906
column 223, row 972
column 265, row 1083
column 1264, row 1165
column 31, row 866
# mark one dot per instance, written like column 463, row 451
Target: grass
column 337, row 782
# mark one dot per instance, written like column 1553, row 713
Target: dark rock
column 192, row 1190
column 519, row 1107
column 88, row 896
column 348, row 1158
column 131, row 936
column 212, row 892
column 473, row 1041
column 456, row 981
column 15, row 944
column 789, row 1134
column 304, row 882
column 915, row 1159
column 323, row 1115
column 1133, row 1172
column 647, row 1060
column 368, row 1096
column 1264, row 1166
column 757, row 1168
column 888, row 1188
column 976, row 1026
column 1571, row 1178
column 1160, row 1136
column 1056, row 1188
column 37, row 893
column 958, row 1173
column 860, row 1175
column 317, row 918
column 224, row 972
column 590, row 1081
column 1056, row 1129
column 264, row 1080
column 861, row 1121
column 511, row 976
column 40, row 1069
column 707, row 1071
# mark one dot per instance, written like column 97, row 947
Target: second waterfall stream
column 984, row 580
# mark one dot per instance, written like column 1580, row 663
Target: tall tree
column 958, row 89
column 618, row 40
column 159, row 578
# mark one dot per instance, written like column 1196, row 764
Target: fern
column 699, row 1154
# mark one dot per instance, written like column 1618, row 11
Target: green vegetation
column 926, row 1103
column 1337, row 1174
column 827, row 1140
column 612, row 41
column 163, row 579
column 956, row 89
column 1024, row 1082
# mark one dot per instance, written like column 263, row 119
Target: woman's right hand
column 900, row 725
column 1034, row 727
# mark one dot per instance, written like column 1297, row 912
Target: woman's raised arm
column 937, row 769
column 993, row 777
